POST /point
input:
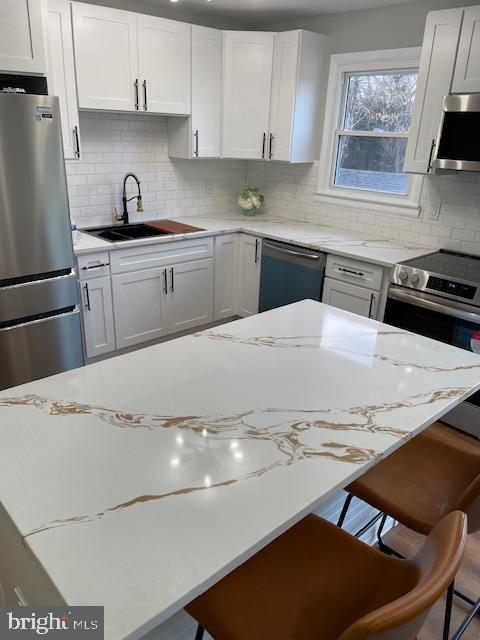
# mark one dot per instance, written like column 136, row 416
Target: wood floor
column 468, row 581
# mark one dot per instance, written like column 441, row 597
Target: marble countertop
column 143, row 479
column 344, row 243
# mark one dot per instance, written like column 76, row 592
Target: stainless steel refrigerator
column 39, row 320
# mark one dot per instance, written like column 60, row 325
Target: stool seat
column 316, row 582
column 435, row 473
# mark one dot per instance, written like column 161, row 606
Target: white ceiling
column 259, row 12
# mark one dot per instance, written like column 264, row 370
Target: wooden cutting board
column 171, row 226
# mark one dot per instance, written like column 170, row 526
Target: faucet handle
column 117, row 216
column 139, row 204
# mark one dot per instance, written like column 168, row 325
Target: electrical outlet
column 433, row 211
column 209, row 186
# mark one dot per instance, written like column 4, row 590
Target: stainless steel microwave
column 458, row 146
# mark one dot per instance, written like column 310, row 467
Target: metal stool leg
column 344, row 512
column 463, row 627
column 448, row 612
column 200, row 632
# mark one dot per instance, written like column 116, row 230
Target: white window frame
column 340, row 66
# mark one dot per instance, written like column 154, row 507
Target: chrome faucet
column 125, row 200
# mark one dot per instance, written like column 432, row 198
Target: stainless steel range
column 438, row 296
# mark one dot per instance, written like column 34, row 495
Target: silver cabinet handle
column 263, row 145
column 172, row 280
column 430, row 156
column 351, row 272
column 87, row 305
column 77, row 141
column 196, row 143
column 96, row 266
column 165, row 283
column 256, row 251
column 136, row 94
column 291, row 252
column 373, row 299
column 270, row 150
column 145, row 107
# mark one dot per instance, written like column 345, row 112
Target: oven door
column 444, row 320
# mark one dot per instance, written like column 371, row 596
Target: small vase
column 250, row 212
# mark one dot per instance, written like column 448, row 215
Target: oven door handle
column 447, row 307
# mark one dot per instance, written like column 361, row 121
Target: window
column 368, row 116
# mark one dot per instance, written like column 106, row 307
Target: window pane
column 380, row 102
column 372, row 164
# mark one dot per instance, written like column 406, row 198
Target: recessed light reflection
column 179, row 440
column 408, row 369
column 238, row 455
column 204, row 433
column 234, row 445
column 174, row 462
column 207, row 481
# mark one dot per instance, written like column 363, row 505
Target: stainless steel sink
column 125, row 232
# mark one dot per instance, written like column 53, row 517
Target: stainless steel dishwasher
column 289, row 274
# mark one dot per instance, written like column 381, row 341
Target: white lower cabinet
column 355, row 286
column 350, row 297
column 152, row 303
column 139, row 300
column 226, row 276
column 190, row 295
column 250, row 256
column 97, row 316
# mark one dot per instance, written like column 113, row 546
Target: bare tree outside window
column 372, row 139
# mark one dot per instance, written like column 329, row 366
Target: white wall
column 113, row 145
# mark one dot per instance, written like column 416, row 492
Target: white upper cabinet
column 247, row 76
column 61, row 72
column 22, row 48
column 439, row 50
column 105, row 57
column 298, row 74
column 467, row 69
column 164, row 65
column 201, row 135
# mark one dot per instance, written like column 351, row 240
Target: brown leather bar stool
column 316, row 582
column 433, row 474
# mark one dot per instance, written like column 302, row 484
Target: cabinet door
column 164, row 65
column 467, row 70
column 226, row 275
column 190, row 295
column 61, row 72
column 97, row 316
column 250, row 254
column 22, row 47
column 439, row 50
column 105, row 57
column 206, row 92
column 139, row 306
column 349, row 297
column 284, row 82
column 247, row 84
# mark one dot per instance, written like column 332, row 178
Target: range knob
column 415, row 279
column 403, row 277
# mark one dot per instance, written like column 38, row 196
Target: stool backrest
column 436, row 564
column 470, row 504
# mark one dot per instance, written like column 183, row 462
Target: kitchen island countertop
column 139, row 481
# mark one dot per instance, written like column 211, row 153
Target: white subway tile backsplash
column 289, row 192
column 115, row 144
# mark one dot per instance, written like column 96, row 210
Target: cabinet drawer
column 349, row 297
column 93, row 265
column 152, row 256
column 354, row 271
